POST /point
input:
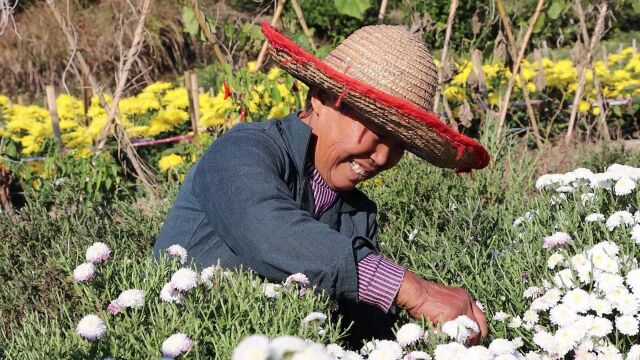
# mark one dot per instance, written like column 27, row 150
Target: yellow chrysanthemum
column 157, row 87
column 169, row 162
column 278, row 111
column 454, row 93
column 584, row 107
column 274, row 73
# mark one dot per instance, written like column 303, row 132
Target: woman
column 280, row 197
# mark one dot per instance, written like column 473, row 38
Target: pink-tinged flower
column 175, row 345
column 557, row 239
column 98, row 252
column 91, row 327
column 131, row 298
column 299, row 278
column 170, row 294
column 84, row 272
column 113, row 308
column 177, row 251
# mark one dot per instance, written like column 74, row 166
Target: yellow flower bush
column 169, row 162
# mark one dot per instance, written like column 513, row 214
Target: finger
column 480, row 319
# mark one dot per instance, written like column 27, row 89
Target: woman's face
column 346, row 151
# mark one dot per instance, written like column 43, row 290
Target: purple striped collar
column 323, row 196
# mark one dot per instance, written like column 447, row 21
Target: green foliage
column 354, row 8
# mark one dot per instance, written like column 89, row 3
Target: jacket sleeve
column 239, row 185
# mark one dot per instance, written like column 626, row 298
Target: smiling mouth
column 359, row 170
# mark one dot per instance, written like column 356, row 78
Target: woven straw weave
column 388, row 75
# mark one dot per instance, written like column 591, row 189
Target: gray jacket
column 248, row 201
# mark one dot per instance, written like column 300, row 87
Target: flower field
column 552, row 259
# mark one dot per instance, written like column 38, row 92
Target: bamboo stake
column 634, row 47
column 516, row 64
column 142, row 171
column 452, row 14
column 212, row 39
column 595, row 38
column 383, row 10
column 303, row 23
column 53, row 111
column 195, row 99
column 265, row 45
column 513, row 49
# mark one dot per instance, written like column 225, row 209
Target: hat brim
column 421, row 132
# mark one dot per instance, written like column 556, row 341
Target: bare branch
column 7, row 7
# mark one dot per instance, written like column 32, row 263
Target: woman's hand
column 439, row 303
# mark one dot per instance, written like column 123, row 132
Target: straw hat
column 387, row 75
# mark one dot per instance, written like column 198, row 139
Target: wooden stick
column 195, row 98
column 595, row 38
column 53, row 111
column 212, row 39
column 513, row 50
column 634, row 47
column 383, row 10
column 516, row 65
column 303, row 23
column 452, row 14
column 265, row 45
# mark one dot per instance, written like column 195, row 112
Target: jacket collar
column 297, row 136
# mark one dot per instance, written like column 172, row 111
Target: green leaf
column 189, row 20
column 354, row 8
column 556, row 8
column 540, row 23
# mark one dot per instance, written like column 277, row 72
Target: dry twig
column 265, row 45
column 303, row 23
column 582, row 71
column 212, row 39
column 516, row 65
column 7, row 7
column 452, row 14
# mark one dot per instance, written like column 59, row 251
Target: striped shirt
column 379, row 279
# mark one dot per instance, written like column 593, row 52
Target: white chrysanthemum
column 207, row 274
column 608, row 247
column 635, row 233
column 532, row 292
column 351, row 355
column 600, row 327
column 417, row 355
column 627, row 304
column 547, row 180
column 450, row 351
column 409, row 334
column 619, row 218
column 312, row 351
column 530, row 316
column 336, row 351
column 565, row 339
column 565, row 189
column 617, row 171
column 298, row 278
column 627, row 325
column 634, row 353
column 546, row 301
column 98, row 252
column 601, row 181
column 554, row 260
column 177, row 251
column 607, row 351
column 478, row 353
column 562, row 315
column 594, row 217
column 91, row 327
column 170, row 294
column 545, row 340
column 500, row 316
column 460, row 328
column 564, row 279
column 578, row 300
column 582, row 174
column 252, row 347
column 501, row 346
column 133, row 298
column 386, row 350
column 600, row 306
column 286, row 345
column 84, row 272
column 624, row 186
column 607, row 282
column 175, row 345
column 633, row 280
column 515, row 322
column 184, row 279
column 271, row 291
column 314, row 316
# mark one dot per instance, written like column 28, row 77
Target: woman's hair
column 307, row 104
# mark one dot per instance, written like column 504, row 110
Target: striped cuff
column 379, row 280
